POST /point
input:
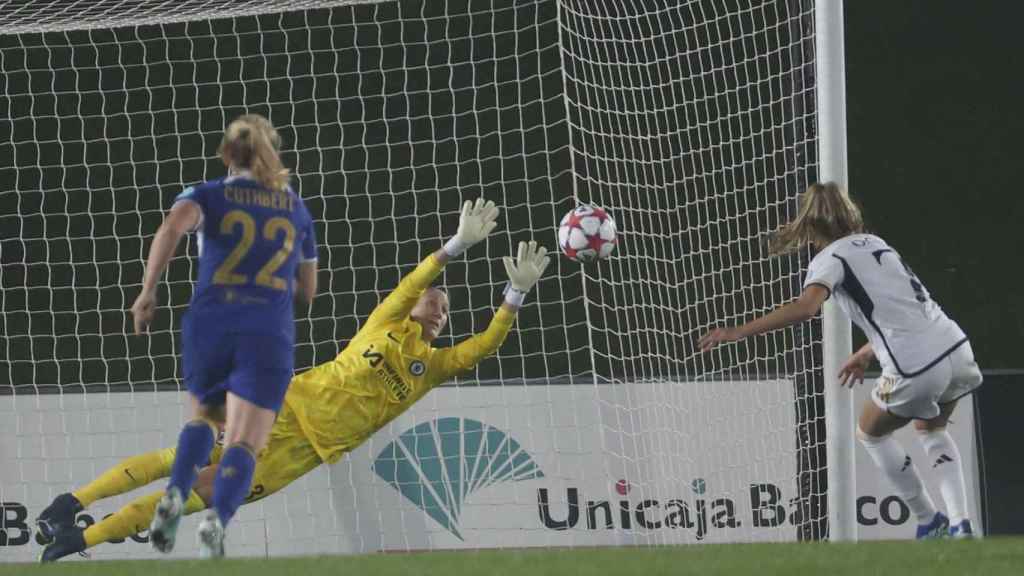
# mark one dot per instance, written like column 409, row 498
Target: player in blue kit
column 256, row 249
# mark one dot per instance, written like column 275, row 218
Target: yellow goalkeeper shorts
column 287, row 457
column 167, row 455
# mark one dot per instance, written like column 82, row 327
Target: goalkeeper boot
column 64, row 543
column 165, row 521
column 211, row 536
column 937, row 528
column 58, row 516
column 961, row 531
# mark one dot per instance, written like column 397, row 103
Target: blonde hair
column 826, row 214
column 251, row 142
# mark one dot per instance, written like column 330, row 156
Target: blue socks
column 234, row 472
column 234, row 477
column 194, row 446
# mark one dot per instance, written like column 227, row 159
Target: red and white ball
column 587, row 234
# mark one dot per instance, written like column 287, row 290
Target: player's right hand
column 143, row 310
column 477, row 220
column 718, row 336
column 853, row 370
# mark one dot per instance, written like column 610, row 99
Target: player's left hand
column 717, row 336
column 528, row 267
column 143, row 310
column 853, row 370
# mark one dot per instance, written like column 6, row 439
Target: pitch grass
column 990, row 557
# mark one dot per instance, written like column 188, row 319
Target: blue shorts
column 216, row 360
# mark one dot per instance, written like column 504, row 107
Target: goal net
column 597, row 423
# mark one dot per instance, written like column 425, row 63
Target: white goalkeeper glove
column 475, row 223
column 524, row 271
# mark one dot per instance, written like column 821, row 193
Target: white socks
column 944, row 458
column 896, row 465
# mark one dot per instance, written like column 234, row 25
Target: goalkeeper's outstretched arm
column 475, row 223
column 523, row 272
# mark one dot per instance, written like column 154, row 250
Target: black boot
column 66, row 543
column 58, row 516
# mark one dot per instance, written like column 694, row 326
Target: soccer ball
column 587, row 234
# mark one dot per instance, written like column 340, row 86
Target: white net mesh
column 691, row 124
column 34, row 16
column 694, row 123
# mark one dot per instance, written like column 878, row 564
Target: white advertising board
column 475, row 467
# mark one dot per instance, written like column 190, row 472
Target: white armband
column 454, row 247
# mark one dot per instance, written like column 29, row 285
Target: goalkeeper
column 332, row 408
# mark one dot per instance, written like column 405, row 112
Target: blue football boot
column 961, row 531
column 937, row 528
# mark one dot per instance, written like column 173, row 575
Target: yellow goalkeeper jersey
column 383, row 371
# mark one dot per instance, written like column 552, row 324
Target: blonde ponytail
column 826, row 214
column 251, row 142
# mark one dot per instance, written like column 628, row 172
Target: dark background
column 933, row 129
column 386, row 139
column 693, row 125
column 934, row 125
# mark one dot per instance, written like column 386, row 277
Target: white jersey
column 908, row 331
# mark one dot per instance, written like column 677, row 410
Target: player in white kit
column 927, row 362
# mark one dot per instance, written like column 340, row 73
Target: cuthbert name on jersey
column 259, row 197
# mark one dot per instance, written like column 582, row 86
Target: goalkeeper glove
column 524, row 271
column 476, row 222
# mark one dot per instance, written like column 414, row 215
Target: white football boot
column 211, row 536
column 165, row 521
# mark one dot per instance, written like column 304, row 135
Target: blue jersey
column 251, row 240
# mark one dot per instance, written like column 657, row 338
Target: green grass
column 990, row 557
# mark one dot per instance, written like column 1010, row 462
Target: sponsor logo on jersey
column 416, row 368
column 387, row 373
column 394, row 381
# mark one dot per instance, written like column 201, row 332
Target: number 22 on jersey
column 226, row 274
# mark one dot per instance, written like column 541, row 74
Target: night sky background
column 102, row 128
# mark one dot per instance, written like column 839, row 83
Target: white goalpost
column 838, row 339
column 695, row 124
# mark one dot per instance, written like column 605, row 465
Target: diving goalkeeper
column 331, row 408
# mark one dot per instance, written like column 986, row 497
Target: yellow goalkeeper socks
column 127, row 475
column 133, row 518
column 194, row 503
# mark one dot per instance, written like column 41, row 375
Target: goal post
column 695, row 124
column 837, row 341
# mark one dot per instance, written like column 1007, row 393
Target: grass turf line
column 989, row 557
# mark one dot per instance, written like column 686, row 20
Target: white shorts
column 919, row 397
